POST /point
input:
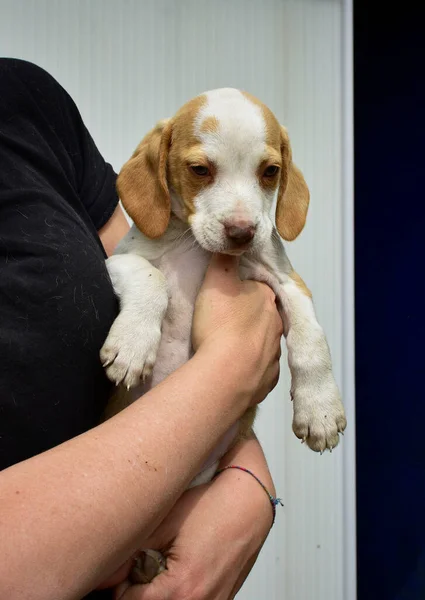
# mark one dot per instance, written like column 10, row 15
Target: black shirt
column 56, row 299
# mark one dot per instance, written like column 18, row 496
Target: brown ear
column 293, row 196
column 142, row 182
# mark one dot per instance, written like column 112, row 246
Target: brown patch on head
column 186, row 150
column 300, row 283
column 293, row 196
column 209, row 125
column 272, row 124
column 273, row 146
column 162, row 162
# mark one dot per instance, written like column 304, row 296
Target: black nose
column 240, row 235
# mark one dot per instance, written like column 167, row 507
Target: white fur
column 130, row 351
column 159, row 295
column 236, row 150
column 318, row 411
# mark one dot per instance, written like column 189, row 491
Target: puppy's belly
column 173, row 353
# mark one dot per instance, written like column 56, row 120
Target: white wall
column 129, row 63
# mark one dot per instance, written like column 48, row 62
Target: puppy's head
column 218, row 164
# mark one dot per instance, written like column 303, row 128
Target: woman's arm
column 114, row 230
column 70, row 516
column 213, row 535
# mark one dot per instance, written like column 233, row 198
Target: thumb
column 222, row 270
column 161, row 587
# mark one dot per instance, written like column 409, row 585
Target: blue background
column 390, row 298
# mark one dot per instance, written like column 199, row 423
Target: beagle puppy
column 202, row 182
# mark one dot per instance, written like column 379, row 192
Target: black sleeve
column 38, row 109
column 56, row 299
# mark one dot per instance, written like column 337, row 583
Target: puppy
column 202, row 182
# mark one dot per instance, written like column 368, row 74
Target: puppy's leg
column 131, row 347
column 318, row 411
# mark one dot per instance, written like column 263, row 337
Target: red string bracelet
column 273, row 501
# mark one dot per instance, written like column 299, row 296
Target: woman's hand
column 213, row 535
column 211, row 540
column 241, row 316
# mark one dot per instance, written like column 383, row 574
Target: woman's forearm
column 246, row 506
column 70, row 516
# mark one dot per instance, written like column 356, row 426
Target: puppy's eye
column 200, row 170
column 271, row 171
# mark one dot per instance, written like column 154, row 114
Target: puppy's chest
column 184, row 270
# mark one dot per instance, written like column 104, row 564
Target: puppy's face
column 218, row 165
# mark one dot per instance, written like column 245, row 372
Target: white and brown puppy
column 206, row 181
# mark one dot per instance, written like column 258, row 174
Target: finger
column 120, row 575
column 266, row 290
column 269, row 292
column 121, row 589
column 161, row 588
column 275, row 380
column 279, row 348
column 272, row 379
column 280, row 325
column 128, row 592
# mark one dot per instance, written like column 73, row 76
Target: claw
column 123, row 378
column 145, row 375
column 108, row 362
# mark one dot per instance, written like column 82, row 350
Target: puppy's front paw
column 130, row 350
column 319, row 415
